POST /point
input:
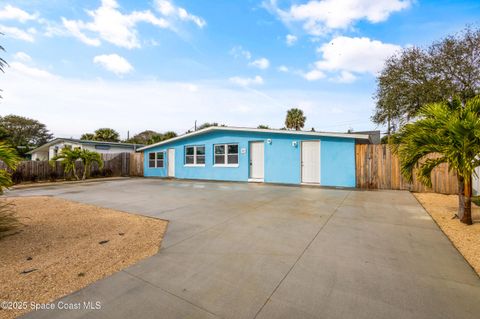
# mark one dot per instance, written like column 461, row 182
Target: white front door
column 311, row 162
column 256, row 161
column 171, row 162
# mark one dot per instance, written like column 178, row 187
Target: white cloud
column 290, row 39
column 22, row 57
column 359, row 55
column 111, row 25
column 16, row 33
column 30, row 71
column 257, row 80
column 314, row 75
column 322, row 16
column 172, row 105
column 113, row 63
column 168, row 9
column 239, row 52
column 282, row 68
column 261, row 63
column 345, row 77
column 13, row 13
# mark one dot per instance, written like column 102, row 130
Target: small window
column 155, row 160
column 151, row 160
column 195, row 155
column 219, row 154
column 160, row 159
column 226, row 154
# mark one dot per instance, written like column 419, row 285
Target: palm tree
column 107, row 135
column 450, row 132
column 88, row 158
column 295, row 119
column 9, row 157
column 69, row 158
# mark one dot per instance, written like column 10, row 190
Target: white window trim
column 226, row 165
column 156, row 159
column 194, row 164
column 226, row 155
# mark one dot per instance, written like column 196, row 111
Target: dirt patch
column 466, row 238
column 64, row 246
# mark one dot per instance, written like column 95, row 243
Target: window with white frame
column 195, row 155
column 226, row 154
column 156, row 160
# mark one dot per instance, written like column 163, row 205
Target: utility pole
column 195, row 125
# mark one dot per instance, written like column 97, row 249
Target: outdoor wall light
column 294, row 143
column 269, row 141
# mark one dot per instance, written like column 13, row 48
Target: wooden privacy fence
column 378, row 168
column 113, row 165
column 136, row 164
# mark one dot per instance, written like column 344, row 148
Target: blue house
column 256, row 155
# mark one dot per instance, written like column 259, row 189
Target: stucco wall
column 282, row 159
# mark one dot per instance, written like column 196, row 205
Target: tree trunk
column 85, row 169
column 467, row 213
column 461, row 197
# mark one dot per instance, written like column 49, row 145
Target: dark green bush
column 96, row 173
column 53, row 176
column 17, row 177
column 107, row 172
column 34, row 178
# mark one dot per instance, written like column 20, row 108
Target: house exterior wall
column 282, row 160
column 55, row 149
column 40, row 156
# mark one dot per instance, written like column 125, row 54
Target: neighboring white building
column 52, row 148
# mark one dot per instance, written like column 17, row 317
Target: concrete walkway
column 236, row 250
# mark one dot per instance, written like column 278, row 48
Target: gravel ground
column 466, row 238
column 64, row 246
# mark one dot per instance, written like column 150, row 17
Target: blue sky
column 161, row 65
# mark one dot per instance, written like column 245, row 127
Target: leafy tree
column 415, row 77
column 168, row 135
column 150, row 137
column 87, row 137
column 295, row 119
column 88, row 158
column 451, row 132
column 263, row 127
column 23, row 133
column 143, row 137
column 107, row 135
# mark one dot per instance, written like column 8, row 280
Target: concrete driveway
column 235, row 250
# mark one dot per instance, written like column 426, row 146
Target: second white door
column 311, row 162
column 171, row 162
column 256, row 161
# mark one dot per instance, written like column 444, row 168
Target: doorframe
column 250, row 179
column 168, row 161
column 319, row 162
